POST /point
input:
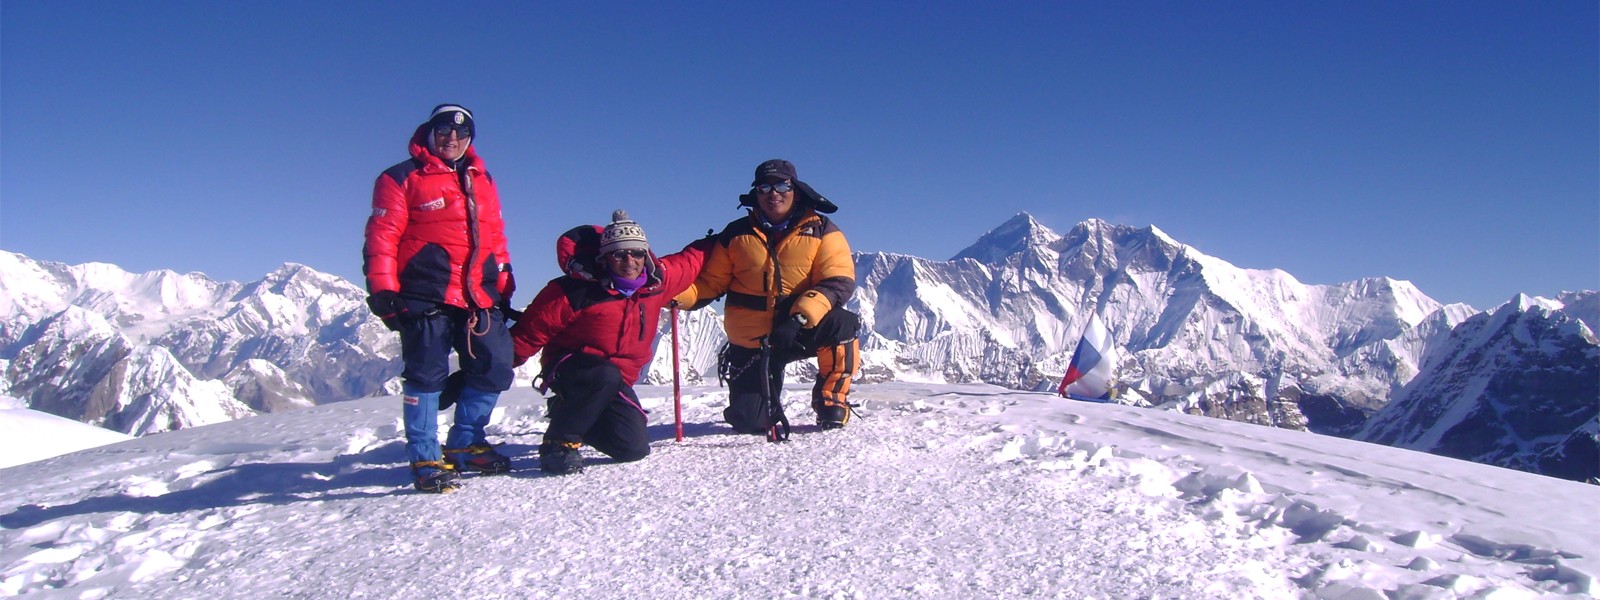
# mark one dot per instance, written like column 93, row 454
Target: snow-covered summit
column 1019, row 233
column 940, row 491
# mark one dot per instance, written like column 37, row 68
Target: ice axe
column 778, row 431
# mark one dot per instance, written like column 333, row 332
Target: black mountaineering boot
column 831, row 415
column 434, row 477
column 560, row 458
column 482, row 458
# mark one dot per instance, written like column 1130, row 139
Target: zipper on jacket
column 464, row 175
column 640, row 309
column 774, row 284
column 630, row 303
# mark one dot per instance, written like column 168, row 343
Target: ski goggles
column 779, row 187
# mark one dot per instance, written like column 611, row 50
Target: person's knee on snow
column 748, row 408
column 746, row 412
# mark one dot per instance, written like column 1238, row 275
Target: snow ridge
column 967, row 491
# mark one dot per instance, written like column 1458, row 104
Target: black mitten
column 388, row 306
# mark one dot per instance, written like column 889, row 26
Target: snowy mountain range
column 1194, row 328
column 151, row 352
column 143, row 353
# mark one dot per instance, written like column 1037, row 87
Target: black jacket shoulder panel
column 580, row 294
column 743, row 226
column 402, row 170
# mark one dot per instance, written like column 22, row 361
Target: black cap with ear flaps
column 779, row 169
column 806, row 195
column 776, row 169
column 803, row 195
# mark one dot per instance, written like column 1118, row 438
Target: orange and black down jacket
column 434, row 235
column 806, row 270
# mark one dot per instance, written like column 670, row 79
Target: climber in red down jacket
column 596, row 326
column 438, row 273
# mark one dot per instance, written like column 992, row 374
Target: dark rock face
column 1517, row 388
column 1328, row 415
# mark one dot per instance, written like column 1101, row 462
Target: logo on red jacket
column 434, row 204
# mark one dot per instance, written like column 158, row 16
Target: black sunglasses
column 630, row 253
column 779, row 187
column 462, row 130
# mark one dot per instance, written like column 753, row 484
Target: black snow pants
column 593, row 406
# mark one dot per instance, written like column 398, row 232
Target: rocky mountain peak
column 1505, row 388
column 1022, row 232
column 293, row 280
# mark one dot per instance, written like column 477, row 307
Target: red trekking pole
column 677, row 397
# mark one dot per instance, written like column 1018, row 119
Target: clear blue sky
column 1452, row 144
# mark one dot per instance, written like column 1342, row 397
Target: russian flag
column 1089, row 375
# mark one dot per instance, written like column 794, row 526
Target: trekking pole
column 778, row 430
column 677, row 396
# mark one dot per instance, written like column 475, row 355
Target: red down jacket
column 578, row 312
column 431, row 237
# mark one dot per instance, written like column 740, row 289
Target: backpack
column 578, row 252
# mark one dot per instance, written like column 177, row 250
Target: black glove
column 511, row 314
column 453, row 385
column 388, row 306
column 783, row 335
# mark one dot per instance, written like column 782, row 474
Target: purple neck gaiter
column 628, row 286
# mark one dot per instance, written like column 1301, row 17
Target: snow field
column 934, row 491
